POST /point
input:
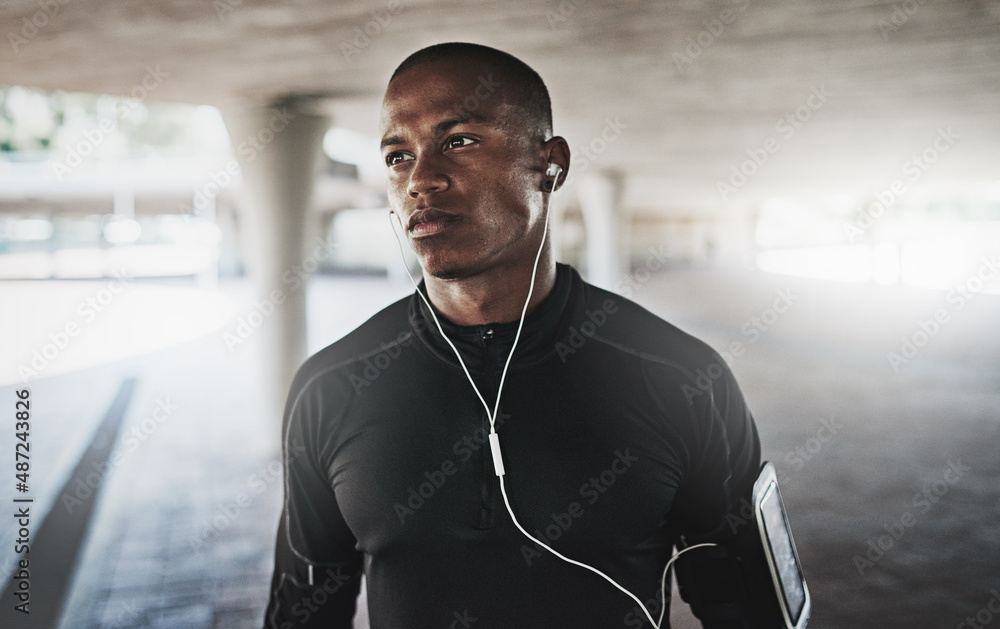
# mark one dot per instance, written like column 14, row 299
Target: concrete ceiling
column 692, row 94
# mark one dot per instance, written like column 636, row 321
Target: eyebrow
column 439, row 128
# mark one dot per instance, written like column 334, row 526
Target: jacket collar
column 481, row 345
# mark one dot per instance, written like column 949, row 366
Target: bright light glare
column 142, row 319
column 936, row 263
column 122, row 231
column 783, row 223
column 851, row 263
column 348, row 146
column 934, row 242
column 28, row 229
column 885, row 263
column 188, row 230
column 991, row 191
column 210, row 129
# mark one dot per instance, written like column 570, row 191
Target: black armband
column 753, row 580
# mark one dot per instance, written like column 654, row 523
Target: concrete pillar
column 277, row 147
column 600, row 199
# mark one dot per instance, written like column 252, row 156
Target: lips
column 430, row 221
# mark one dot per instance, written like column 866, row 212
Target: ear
column 556, row 151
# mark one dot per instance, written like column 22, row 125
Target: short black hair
column 523, row 87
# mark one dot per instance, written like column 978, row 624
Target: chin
column 447, row 269
column 446, row 272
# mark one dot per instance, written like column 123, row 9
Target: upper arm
column 725, row 452
column 317, row 565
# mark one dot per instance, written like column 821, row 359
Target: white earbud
column 554, row 170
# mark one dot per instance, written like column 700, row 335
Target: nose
column 427, row 177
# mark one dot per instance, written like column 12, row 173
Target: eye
column 458, row 141
column 396, row 157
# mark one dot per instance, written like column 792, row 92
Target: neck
column 494, row 296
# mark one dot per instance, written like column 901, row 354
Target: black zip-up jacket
column 619, row 433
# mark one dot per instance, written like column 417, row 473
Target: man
column 619, row 432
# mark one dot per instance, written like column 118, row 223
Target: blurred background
column 192, row 201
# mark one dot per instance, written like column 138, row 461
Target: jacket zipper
column 488, row 480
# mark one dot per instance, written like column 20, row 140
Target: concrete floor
column 167, row 549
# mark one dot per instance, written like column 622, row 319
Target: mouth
column 429, row 222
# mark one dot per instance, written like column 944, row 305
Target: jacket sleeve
column 725, row 455
column 317, row 568
column 714, row 505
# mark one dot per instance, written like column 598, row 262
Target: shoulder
column 385, row 329
column 622, row 324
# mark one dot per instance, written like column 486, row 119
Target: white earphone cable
column 531, row 287
column 434, row 316
column 494, row 438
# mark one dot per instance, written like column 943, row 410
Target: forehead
column 438, row 90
